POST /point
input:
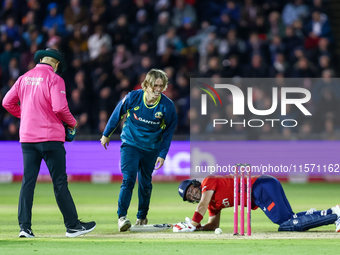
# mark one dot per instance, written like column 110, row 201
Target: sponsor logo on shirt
column 149, row 121
column 136, row 108
column 146, row 121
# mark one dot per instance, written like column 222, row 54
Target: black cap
column 52, row 53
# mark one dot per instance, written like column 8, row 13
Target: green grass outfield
column 99, row 202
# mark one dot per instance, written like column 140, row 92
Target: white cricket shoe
column 337, row 224
column 124, row 224
column 141, row 221
column 336, row 210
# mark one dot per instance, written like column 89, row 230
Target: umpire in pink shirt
column 38, row 98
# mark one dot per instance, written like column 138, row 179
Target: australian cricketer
column 146, row 137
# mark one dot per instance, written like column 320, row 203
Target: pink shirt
column 39, row 98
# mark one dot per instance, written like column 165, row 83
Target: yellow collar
column 155, row 104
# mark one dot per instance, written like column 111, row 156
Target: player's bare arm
column 213, row 223
column 203, row 205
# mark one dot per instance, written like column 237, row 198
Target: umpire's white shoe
column 124, row 224
column 141, row 221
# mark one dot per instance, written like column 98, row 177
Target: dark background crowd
column 110, row 45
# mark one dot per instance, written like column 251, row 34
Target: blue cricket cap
column 183, row 187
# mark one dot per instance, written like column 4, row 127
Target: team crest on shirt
column 159, row 115
column 136, row 108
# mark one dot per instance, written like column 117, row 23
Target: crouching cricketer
column 146, row 137
column 216, row 193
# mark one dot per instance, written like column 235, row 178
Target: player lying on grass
column 216, row 193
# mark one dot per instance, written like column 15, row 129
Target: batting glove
column 184, row 226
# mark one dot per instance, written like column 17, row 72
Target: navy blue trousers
column 53, row 154
column 268, row 194
column 133, row 161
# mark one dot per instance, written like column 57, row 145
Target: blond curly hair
column 152, row 76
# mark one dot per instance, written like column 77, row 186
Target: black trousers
column 53, row 154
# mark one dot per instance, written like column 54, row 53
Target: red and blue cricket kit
column 268, row 194
column 223, row 196
column 146, row 135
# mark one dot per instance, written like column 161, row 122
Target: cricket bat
column 150, row 228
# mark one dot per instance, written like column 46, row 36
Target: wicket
column 242, row 168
